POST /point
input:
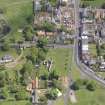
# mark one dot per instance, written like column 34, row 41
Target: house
column 2, row 61
column 92, row 62
column 103, row 32
column 102, row 66
column 37, row 6
column 85, row 46
column 7, row 58
column 49, row 7
column 63, row 1
column 100, row 14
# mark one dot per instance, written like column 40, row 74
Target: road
column 82, row 67
column 29, row 44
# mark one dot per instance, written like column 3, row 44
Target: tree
column 103, row 46
column 2, row 80
column 2, row 67
column 103, row 6
column 21, row 95
column 33, row 55
column 17, row 77
column 7, row 77
column 29, row 103
column 47, row 26
column 91, row 86
column 43, row 100
column 41, row 56
column 4, row 27
column 44, row 76
column 52, row 94
column 75, row 86
column 28, row 67
column 57, row 84
column 84, row 4
column 53, row 75
column 5, row 46
column 26, row 71
column 28, row 33
column 14, row 88
column 3, row 93
column 41, row 43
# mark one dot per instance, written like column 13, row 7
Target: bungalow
column 7, row 58
column 84, row 44
column 84, row 48
column 37, row 6
column 89, row 21
column 99, row 14
column 102, row 66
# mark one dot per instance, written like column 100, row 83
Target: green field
column 16, row 13
column 11, row 52
column 59, row 101
column 13, row 102
column 85, row 97
column 93, row 3
column 61, row 59
column 93, row 50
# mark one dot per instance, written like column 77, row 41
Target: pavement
column 72, row 96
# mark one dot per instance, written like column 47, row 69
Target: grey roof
column 37, row 6
column 84, row 41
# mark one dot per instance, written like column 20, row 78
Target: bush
column 91, row 86
column 53, row 75
column 21, row 95
column 75, row 86
column 52, row 94
column 79, row 84
column 5, row 46
column 43, row 100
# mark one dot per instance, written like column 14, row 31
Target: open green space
column 93, row 50
column 93, row 3
column 59, row 101
column 13, row 102
column 61, row 59
column 17, row 13
column 11, row 52
column 85, row 97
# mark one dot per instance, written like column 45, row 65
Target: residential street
column 83, row 68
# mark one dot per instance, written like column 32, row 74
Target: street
column 82, row 67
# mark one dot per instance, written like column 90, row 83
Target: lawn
column 16, row 13
column 85, row 97
column 93, row 50
column 61, row 59
column 13, row 103
column 59, row 101
column 93, row 3
column 11, row 52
